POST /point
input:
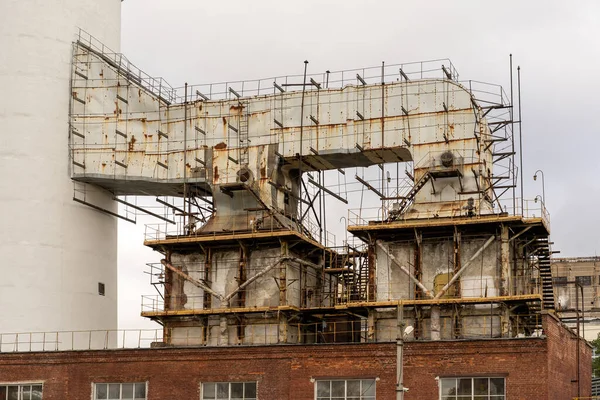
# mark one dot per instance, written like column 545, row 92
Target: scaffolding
column 251, row 181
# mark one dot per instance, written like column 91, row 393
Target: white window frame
column 95, row 388
column 21, row 386
column 229, row 389
column 472, row 395
column 346, row 380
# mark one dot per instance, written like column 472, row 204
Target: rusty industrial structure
column 255, row 183
column 246, row 171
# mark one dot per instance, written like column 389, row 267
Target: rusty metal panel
column 133, row 135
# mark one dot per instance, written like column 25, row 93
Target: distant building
column 576, row 288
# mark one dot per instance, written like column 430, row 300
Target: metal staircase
column 351, row 269
column 542, row 248
column 410, row 195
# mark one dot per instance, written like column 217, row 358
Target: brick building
column 543, row 368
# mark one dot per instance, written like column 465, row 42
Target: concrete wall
column 303, row 288
column 224, row 279
column 481, row 279
column 55, row 250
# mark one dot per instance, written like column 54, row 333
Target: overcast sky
column 554, row 42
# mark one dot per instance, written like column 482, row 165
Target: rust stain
column 235, row 108
column 102, row 73
column 224, row 121
column 216, row 174
column 188, row 165
column 131, row 143
column 221, row 146
column 263, row 172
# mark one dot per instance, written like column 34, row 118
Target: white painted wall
column 54, row 251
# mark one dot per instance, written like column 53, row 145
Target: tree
column 596, row 356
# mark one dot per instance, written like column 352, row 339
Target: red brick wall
column 562, row 362
column 285, row 372
column 521, row 361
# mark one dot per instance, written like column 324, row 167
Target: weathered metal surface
column 134, row 142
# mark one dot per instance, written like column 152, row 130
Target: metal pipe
column 520, row 134
column 577, row 286
column 301, row 138
column 400, row 354
column 543, row 184
column 512, row 131
column 196, row 282
column 185, row 186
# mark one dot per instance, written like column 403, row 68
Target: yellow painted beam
column 230, row 237
column 418, row 223
column 350, row 305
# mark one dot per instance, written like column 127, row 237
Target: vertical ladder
column 244, row 141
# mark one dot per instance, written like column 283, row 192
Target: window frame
column 229, row 383
column 95, row 393
column 346, row 380
column 20, row 386
column 559, row 281
column 583, row 280
column 488, row 396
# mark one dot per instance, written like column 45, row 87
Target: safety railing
column 257, row 222
column 532, row 209
column 387, row 73
column 79, row 340
column 157, row 86
column 346, row 290
column 491, row 326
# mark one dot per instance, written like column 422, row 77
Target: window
column 584, row 280
column 101, row 288
column 229, row 391
column 117, row 391
column 21, row 392
column 351, row 389
column 472, row 389
column 560, row 280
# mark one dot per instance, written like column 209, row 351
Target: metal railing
column 162, row 231
column 157, row 86
column 267, row 333
column 532, row 209
column 388, row 73
column 79, row 340
column 342, row 292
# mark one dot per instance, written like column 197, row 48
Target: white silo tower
column 55, row 252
